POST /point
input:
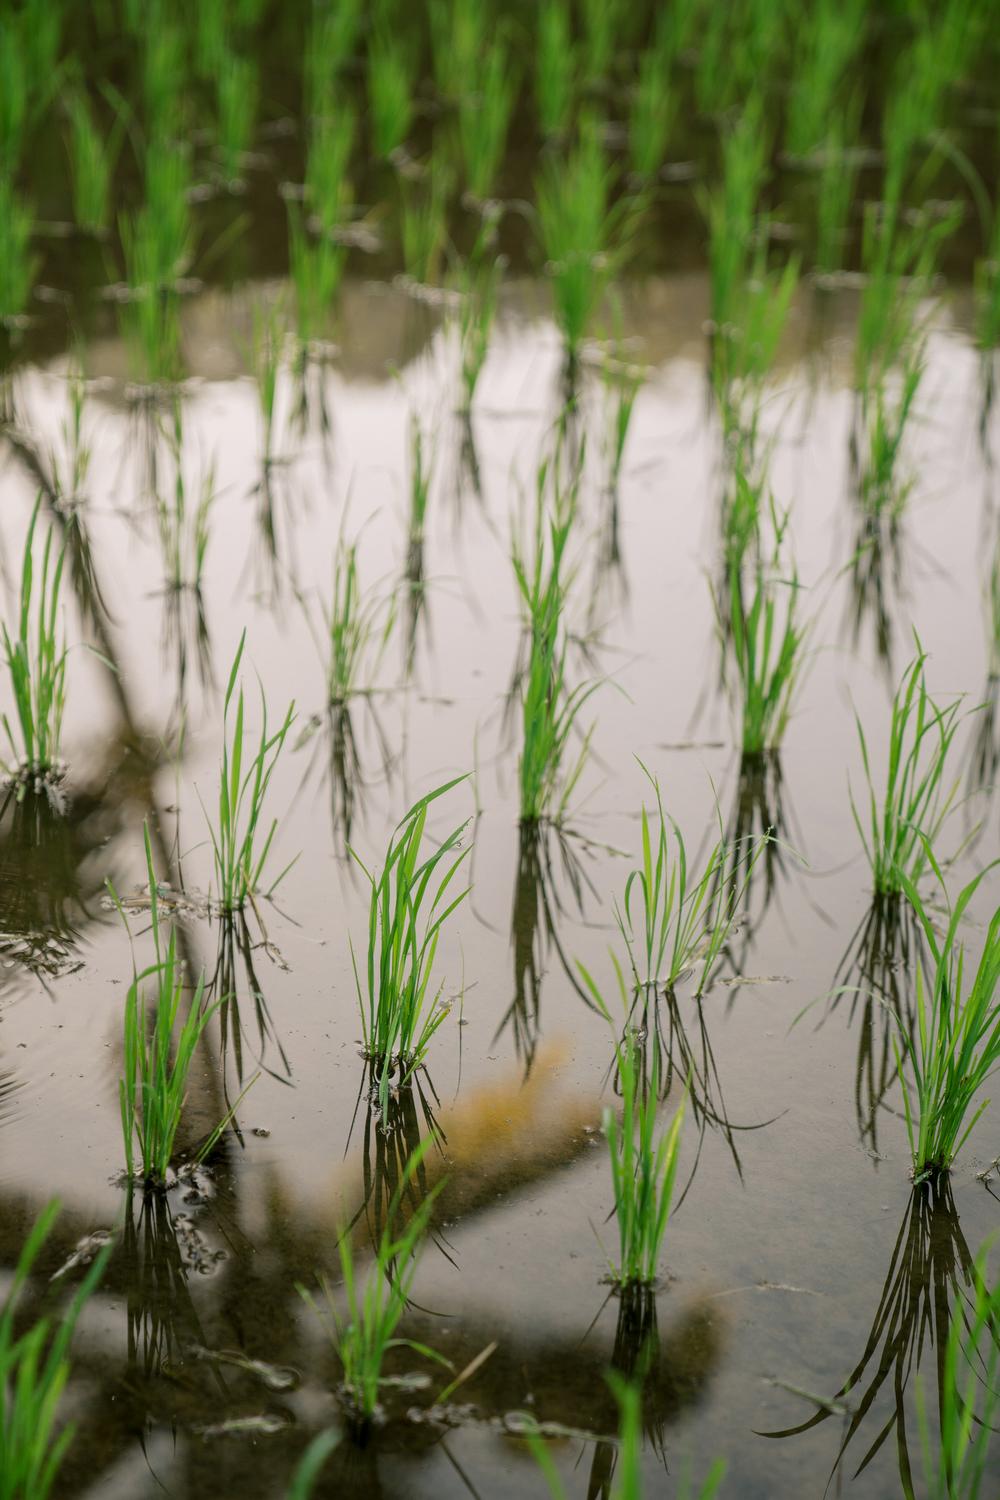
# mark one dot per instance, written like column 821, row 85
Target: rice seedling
column 358, row 627
column 917, row 796
column 730, row 210
column 366, row 1330
column 424, row 225
column 410, row 901
column 240, row 846
column 899, row 259
column 957, row 1044
column 766, row 641
column 327, row 187
column 484, row 112
column 334, row 32
column 92, row 163
column 745, row 347
column 13, row 99
column 478, row 280
column 643, row 1167
column 459, row 34
column 36, row 662
column 582, row 237
column 316, row 264
column 158, row 1055
column 555, row 68
column 164, row 67
column 34, row 1369
column 628, row 1483
column 309, row 1466
column 602, row 29
column 967, row 1394
column 686, row 918
column 827, row 48
column 550, row 708
column 835, row 191
column 651, row 115
column 390, row 94
column 623, row 383
column 17, row 263
column 236, row 84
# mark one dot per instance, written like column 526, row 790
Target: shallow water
column 791, row 1220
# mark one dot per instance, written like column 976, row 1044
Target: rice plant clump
column 410, row 901
column 917, row 796
column 672, row 918
column 36, row 662
column 956, row 1048
column 239, row 843
column 17, row 263
column 34, row 1369
column 159, row 1052
column 484, row 114
column 359, row 628
column 643, row 1167
column 389, row 91
column 365, row 1332
column 555, row 68
column 92, row 163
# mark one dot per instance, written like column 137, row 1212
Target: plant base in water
column 37, row 779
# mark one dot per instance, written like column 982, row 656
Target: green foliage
column 267, row 349
column 328, row 189
column 34, row 1369
column 359, row 628
column 478, row 280
column 335, row 29
column 17, row 263
column 686, row 918
column 730, row 210
column 581, row 236
column 308, row 1468
column 484, row 112
column 944, row 1067
column 236, row 83
column 555, row 68
column 316, row 264
column 390, row 91
column 410, row 902
column 836, row 184
column 917, row 798
column 987, row 285
column 651, row 115
column 827, row 47
column 164, row 69
column 36, row 661
column 239, row 845
column 425, row 224
column 92, row 163
column 459, row 31
column 184, row 528
column 365, row 1332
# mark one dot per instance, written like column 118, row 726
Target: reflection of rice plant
column 365, row 1332
column 409, row 903
column 555, row 68
column 623, row 383
column 484, row 113
column 957, row 1042
column 34, row 1369
column 686, row 918
column 239, row 845
column 36, row 661
column 917, row 799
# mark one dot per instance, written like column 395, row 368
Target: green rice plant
column 624, row 382
column 555, row 68
column 899, row 258
column 628, row 1483
column 484, row 112
column 602, row 26
column 478, row 280
column 239, row 845
column 410, row 902
column 316, row 264
column 836, row 183
column 358, row 627
column 184, row 530
column 13, row 98
column 651, row 115
column 164, row 69
column 17, row 263
column 885, row 417
column 766, row 642
column 34, row 1369
column 328, row 189
column 211, row 36
column 308, row 1468
column 267, row 349
column 686, row 918
column 459, row 35
column 730, row 210
column 334, row 32
column 987, row 287
column 826, row 49
column 424, row 224
column 643, row 1167
column 236, row 85
column 366, row 1330
column 917, row 796
column 550, row 708
column 968, row 1401
column 582, row 237
column 36, row 661
column 92, row 164
column 744, row 348
column 390, row 91
column 158, row 1053
column 741, row 49
column 956, row 1047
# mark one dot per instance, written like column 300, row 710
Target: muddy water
column 201, row 1370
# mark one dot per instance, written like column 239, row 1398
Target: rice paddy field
column 500, row 691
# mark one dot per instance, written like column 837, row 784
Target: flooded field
column 588, row 417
